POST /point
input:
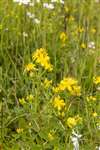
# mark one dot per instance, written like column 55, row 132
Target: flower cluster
column 29, row 98
column 30, row 67
column 73, row 121
column 70, row 84
column 80, row 29
column 91, row 45
column 96, row 80
column 33, row 17
column 25, row 2
column 22, row 101
column 58, row 103
column 91, row 98
column 48, row 6
column 41, row 57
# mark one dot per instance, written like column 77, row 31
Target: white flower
column 38, row 1
column 60, row 1
column 75, row 140
column 30, row 15
column 6, row 29
column 25, row 34
column 75, row 134
column 97, row 1
column 53, row 1
column 97, row 147
column 98, row 126
column 98, row 88
column 91, row 45
column 48, row 6
column 37, row 21
column 75, row 143
column 31, row 4
column 25, row 2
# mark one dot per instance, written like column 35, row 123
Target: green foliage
column 69, row 33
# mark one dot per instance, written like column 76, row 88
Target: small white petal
column 37, row 21
column 30, row 15
column 48, row 6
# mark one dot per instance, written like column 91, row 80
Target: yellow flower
column 80, row 29
column 41, row 57
column 83, row 45
column 78, row 119
column 30, row 124
column 65, row 83
column 30, row 67
column 93, row 30
column 94, row 114
column 22, row 101
column 96, row 80
column 56, row 148
column 70, row 84
column 47, row 83
column 58, row 103
column 63, row 37
column 61, row 114
column 19, row 130
column 71, row 122
column 30, row 98
column 66, row 9
column 75, row 90
column 71, row 18
column 50, row 136
column 55, row 89
column 91, row 98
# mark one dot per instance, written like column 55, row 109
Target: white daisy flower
column 48, row 6
column 91, row 45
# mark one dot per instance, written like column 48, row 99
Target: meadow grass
column 50, row 75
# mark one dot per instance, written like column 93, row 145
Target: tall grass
column 20, row 36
